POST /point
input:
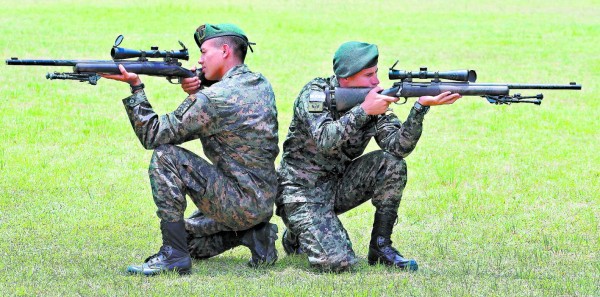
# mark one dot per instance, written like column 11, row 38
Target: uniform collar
column 236, row 70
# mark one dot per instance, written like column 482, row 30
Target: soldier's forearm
column 397, row 138
column 334, row 134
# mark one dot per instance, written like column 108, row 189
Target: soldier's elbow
column 148, row 145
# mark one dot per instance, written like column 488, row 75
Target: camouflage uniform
column 323, row 174
column 236, row 121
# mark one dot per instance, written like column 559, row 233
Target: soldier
column 322, row 173
column 236, row 121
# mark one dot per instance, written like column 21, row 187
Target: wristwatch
column 136, row 88
column 421, row 108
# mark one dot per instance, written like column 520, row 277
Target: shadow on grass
column 228, row 264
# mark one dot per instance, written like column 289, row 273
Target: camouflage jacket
column 321, row 143
column 236, row 121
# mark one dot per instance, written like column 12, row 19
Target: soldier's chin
column 209, row 76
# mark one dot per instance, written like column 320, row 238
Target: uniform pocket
column 193, row 180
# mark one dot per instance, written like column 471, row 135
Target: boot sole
column 154, row 273
column 408, row 267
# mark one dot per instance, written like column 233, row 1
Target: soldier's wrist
column 419, row 108
column 136, row 88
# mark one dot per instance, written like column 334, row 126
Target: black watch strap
column 421, row 108
column 136, row 88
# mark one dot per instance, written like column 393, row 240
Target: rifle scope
column 125, row 53
column 456, row 75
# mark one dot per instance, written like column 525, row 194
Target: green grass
column 501, row 200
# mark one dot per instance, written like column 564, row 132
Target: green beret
column 354, row 56
column 208, row 31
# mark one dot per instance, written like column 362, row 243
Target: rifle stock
column 167, row 70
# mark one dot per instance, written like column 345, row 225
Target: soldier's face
column 366, row 78
column 211, row 60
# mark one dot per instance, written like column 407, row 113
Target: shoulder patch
column 185, row 105
column 316, row 101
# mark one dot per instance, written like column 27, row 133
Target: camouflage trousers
column 176, row 172
column 222, row 207
column 378, row 176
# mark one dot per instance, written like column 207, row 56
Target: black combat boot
column 380, row 248
column 260, row 239
column 290, row 243
column 172, row 256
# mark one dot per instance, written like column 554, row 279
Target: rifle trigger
column 400, row 103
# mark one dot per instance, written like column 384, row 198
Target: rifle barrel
column 571, row 86
column 16, row 61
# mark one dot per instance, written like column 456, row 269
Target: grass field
column 501, row 200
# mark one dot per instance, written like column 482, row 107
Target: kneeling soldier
column 324, row 173
column 236, row 121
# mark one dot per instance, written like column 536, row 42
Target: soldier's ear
column 226, row 50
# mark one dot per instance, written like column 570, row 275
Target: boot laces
column 156, row 257
column 387, row 248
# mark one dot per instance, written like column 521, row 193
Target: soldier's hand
column 191, row 85
column 128, row 77
column 376, row 103
column 441, row 99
